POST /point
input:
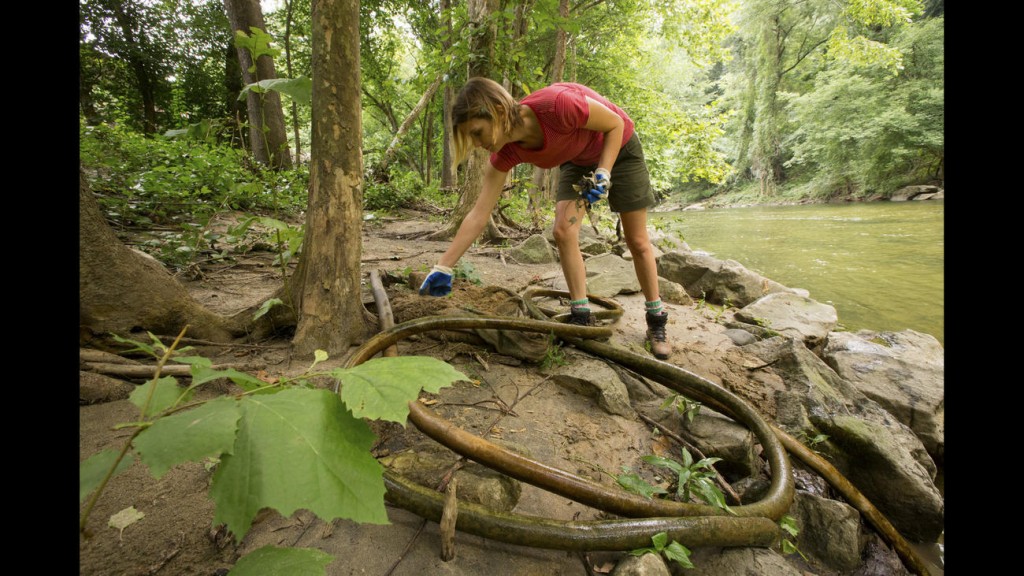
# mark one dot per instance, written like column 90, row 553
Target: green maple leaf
column 296, row 449
column 191, row 435
column 93, row 469
column 381, row 388
column 679, row 553
column 202, row 372
column 166, row 393
column 637, row 485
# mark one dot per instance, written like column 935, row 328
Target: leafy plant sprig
column 788, row 523
column 318, row 441
column 692, row 479
column 689, row 409
column 673, row 550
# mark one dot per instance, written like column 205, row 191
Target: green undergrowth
column 318, row 441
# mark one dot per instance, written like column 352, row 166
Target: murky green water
column 880, row 264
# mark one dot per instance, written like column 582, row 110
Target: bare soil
column 507, row 401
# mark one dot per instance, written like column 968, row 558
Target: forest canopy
column 807, row 99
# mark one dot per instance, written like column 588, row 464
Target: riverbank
column 557, row 417
column 750, row 195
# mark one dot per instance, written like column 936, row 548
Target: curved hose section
column 858, row 501
column 697, row 386
column 754, row 525
column 623, row 535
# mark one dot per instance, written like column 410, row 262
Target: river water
column 880, row 264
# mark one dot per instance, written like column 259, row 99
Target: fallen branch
column 146, row 371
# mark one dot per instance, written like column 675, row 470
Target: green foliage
column 689, row 409
column 403, row 189
column 788, row 524
column 465, row 270
column 286, row 238
column 184, row 181
column 553, row 355
column 673, row 550
column 692, row 479
column 285, row 446
column 636, row 484
column 257, row 44
column 300, row 89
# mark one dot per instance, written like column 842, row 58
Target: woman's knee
column 565, row 231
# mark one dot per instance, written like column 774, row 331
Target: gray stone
column 903, row 372
column 649, row 564
column 533, row 250
column 791, row 315
column 830, row 530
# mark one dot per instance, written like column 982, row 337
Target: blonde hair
column 482, row 98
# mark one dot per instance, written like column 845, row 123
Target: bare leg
column 569, row 216
column 634, row 227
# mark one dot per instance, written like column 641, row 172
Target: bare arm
column 477, row 218
column 603, row 119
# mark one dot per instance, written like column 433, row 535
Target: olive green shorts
column 631, row 182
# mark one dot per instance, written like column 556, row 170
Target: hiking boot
column 656, row 335
column 579, row 317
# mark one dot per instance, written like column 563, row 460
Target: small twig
column 146, row 371
column 199, row 342
column 408, row 546
column 163, row 561
column 392, row 258
column 765, row 365
column 482, row 362
column 721, row 481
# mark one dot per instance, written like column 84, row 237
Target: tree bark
column 266, row 118
column 327, row 287
column 121, row 291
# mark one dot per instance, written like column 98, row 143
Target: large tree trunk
column 266, row 118
column 122, row 291
column 330, row 309
column 482, row 35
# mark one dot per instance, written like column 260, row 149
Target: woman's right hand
column 438, row 282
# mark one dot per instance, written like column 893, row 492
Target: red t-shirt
column 562, row 112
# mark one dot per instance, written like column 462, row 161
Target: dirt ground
column 508, row 401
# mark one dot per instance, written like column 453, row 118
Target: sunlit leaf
column 165, row 393
column 191, row 435
column 381, row 388
column 299, row 449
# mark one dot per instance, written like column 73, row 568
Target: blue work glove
column 438, row 282
column 597, row 185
